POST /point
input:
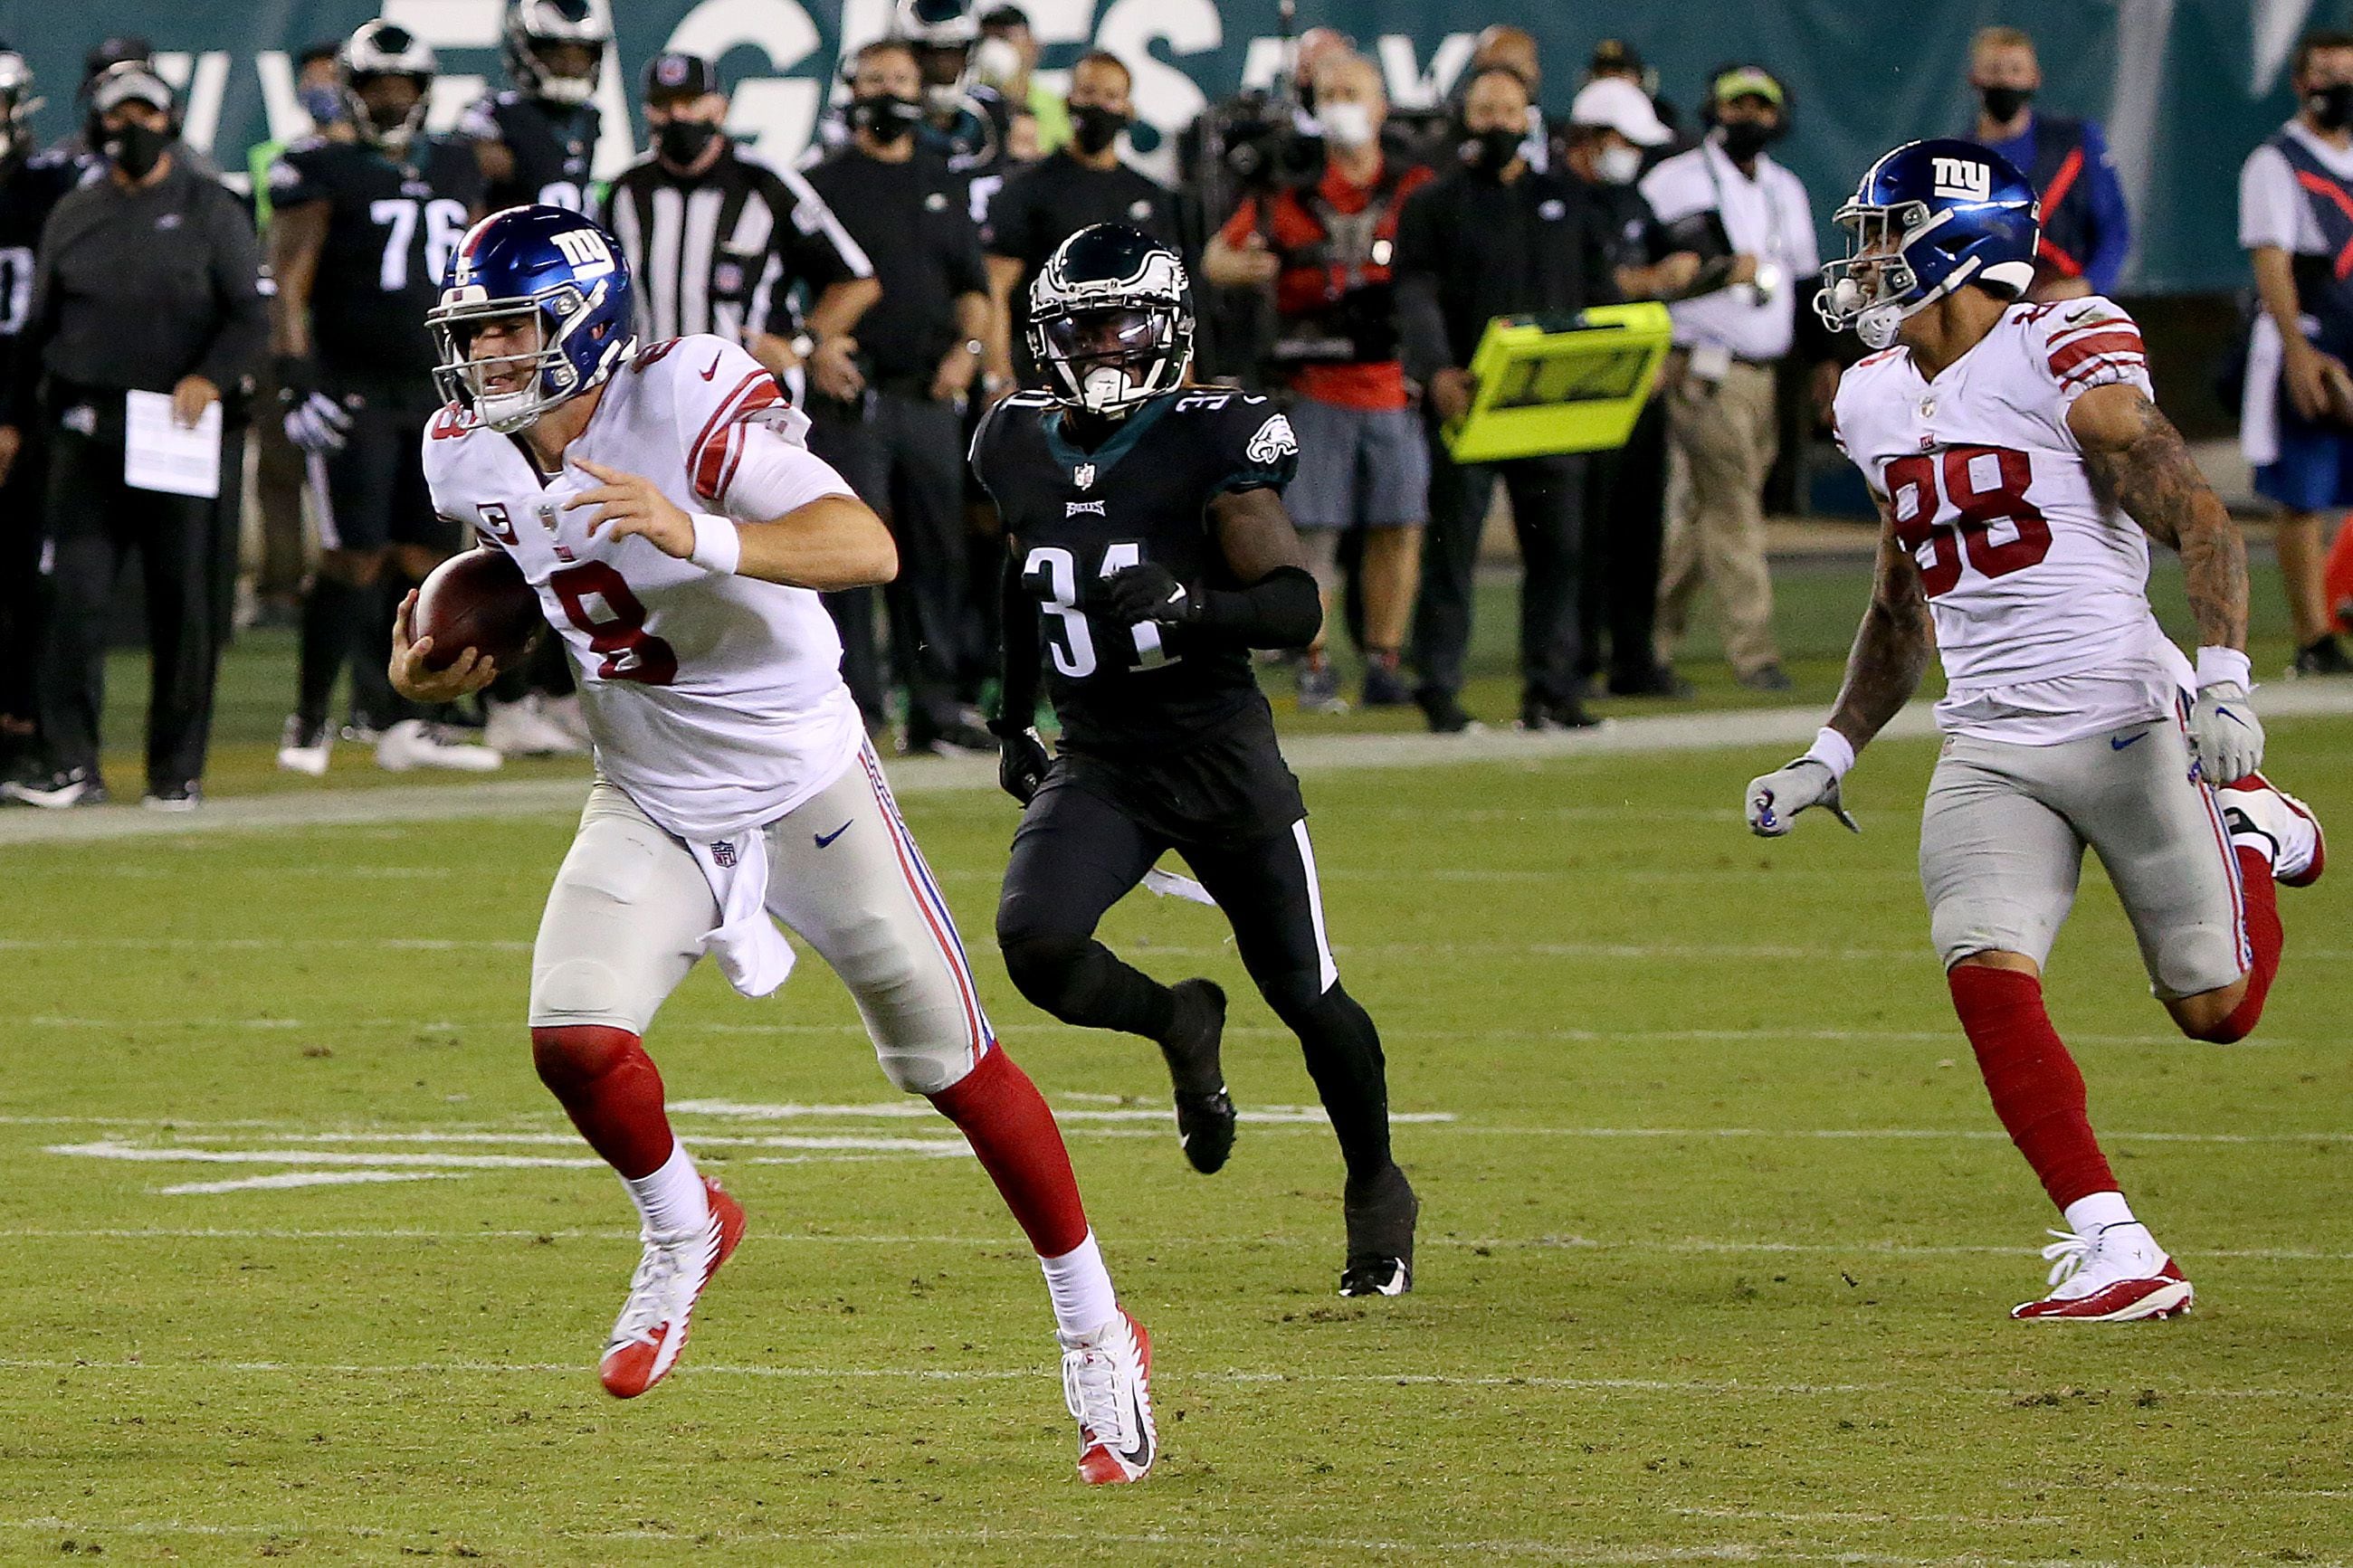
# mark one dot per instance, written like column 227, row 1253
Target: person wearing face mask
column 1721, row 413
column 898, row 437
column 1494, row 237
column 1325, row 252
column 1614, row 125
column 1081, row 185
column 2086, row 230
column 1005, row 61
column 2296, row 425
column 148, row 280
column 719, row 242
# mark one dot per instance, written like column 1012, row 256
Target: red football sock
column 2265, row 939
column 2036, row 1089
column 611, row 1091
column 1004, row 1118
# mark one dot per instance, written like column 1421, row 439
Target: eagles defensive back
column 1148, row 554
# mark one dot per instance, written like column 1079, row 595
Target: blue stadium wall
column 2186, row 86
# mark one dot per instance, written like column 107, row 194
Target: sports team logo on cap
column 672, row 70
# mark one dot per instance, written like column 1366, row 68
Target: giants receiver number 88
column 678, row 533
column 2021, row 469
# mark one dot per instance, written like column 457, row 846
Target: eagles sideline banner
column 2184, row 87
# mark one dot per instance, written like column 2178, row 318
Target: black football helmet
column 17, row 104
column 379, row 49
column 536, row 27
column 1109, row 321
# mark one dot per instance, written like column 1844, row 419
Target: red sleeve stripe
column 710, row 450
column 2092, row 369
column 2090, row 329
column 2093, row 347
column 729, row 439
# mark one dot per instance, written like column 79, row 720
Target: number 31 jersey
column 2034, row 579
column 716, row 702
column 1143, row 495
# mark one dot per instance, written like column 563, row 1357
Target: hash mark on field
column 308, row 1179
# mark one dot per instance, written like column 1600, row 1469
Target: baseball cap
column 128, row 81
column 1614, row 103
column 676, row 75
column 1745, row 81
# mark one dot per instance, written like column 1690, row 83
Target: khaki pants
column 1726, row 439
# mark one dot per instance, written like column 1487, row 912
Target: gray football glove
column 2224, row 734
column 1776, row 798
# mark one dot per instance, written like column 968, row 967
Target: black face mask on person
column 885, row 116
column 681, row 142
column 1093, row 127
column 1487, row 153
column 1744, row 139
column 2331, row 106
column 137, row 149
column 2002, row 103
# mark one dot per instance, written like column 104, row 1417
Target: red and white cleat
column 1107, row 1383
column 2116, row 1274
column 651, row 1331
column 2255, row 804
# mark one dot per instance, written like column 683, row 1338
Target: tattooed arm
column 1891, row 647
column 2138, row 459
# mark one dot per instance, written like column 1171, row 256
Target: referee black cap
column 674, row 76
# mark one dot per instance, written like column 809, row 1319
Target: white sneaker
column 1107, row 1383
column 2116, row 1274
column 414, row 743
column 525, row 729
column 652, row 1328
column 2255, row 807
column 304, row 748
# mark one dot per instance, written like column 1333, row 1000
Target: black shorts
column 374, row 493
column 1228, row 788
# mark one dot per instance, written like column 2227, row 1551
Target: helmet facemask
column 1873, row 289
column 393, row 138
column 541, row 376
column 1110, row 358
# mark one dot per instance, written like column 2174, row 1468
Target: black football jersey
column 552, row 146
column 391, row 225
column 1143, row 494
column 29, row 187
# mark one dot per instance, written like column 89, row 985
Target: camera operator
column 1494, row 237
column 1325, row 252
column 1081, row 185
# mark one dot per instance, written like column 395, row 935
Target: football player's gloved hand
column 2224, row 734
column 1146, row 592
column 1022, row 759
column 1776, row 798
column 314, row 421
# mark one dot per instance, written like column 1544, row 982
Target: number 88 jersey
column 1078, row 515
column 2030, row 573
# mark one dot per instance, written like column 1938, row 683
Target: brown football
column 477, row 600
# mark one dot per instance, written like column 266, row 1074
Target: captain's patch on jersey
column 1275, row 440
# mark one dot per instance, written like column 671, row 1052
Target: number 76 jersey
column 2030, row 573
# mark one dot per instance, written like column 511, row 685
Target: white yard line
column 305, row 1179
column 330, row 808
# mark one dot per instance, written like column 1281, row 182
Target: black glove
column 297, row 376
column 1022, row 760
column 1146, row 591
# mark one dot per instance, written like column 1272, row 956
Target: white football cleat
column 304, row 748
column 1107, row 1383
column 525, row 729
column 2116, row 1274
column 414, row 743
column 2255, row 804
column 651, row 1329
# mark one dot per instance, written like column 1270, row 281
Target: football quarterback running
column 1148, row 552
column 677, row 533
column 2021, row 469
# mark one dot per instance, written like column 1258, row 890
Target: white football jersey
column 2038, row 585
column 715, row 701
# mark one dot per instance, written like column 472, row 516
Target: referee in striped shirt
column 721, row 243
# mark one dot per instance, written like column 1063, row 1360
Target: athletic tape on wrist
column 1833, row 750
column 718, row 546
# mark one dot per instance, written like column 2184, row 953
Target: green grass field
column 1718, row 1239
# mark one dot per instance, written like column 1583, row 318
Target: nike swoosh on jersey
column 714, row 366
column 825, row 838
column 2117, row 745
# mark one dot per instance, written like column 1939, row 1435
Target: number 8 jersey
column 716, row 702
column 1080, row 515
column 2037, row 583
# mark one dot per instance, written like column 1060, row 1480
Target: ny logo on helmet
column 586, row 250
column 1971, row 181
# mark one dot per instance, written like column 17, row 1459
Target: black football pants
column 1626, row 523
column 1548, row 510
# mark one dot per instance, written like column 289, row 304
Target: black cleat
column 1205, row 1117
column 1380, row 1237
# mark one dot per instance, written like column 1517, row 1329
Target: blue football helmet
column 1927, row 218
column 558, row 269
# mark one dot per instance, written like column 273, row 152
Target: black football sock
column 1344, row 1057
column 370, row 631
column 324, row 637
column 1080, row 981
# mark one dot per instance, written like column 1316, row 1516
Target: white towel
column 752, row 952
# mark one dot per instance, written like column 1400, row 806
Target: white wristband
column 1833, row 750
column 718, row 547
column 2218, row 665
